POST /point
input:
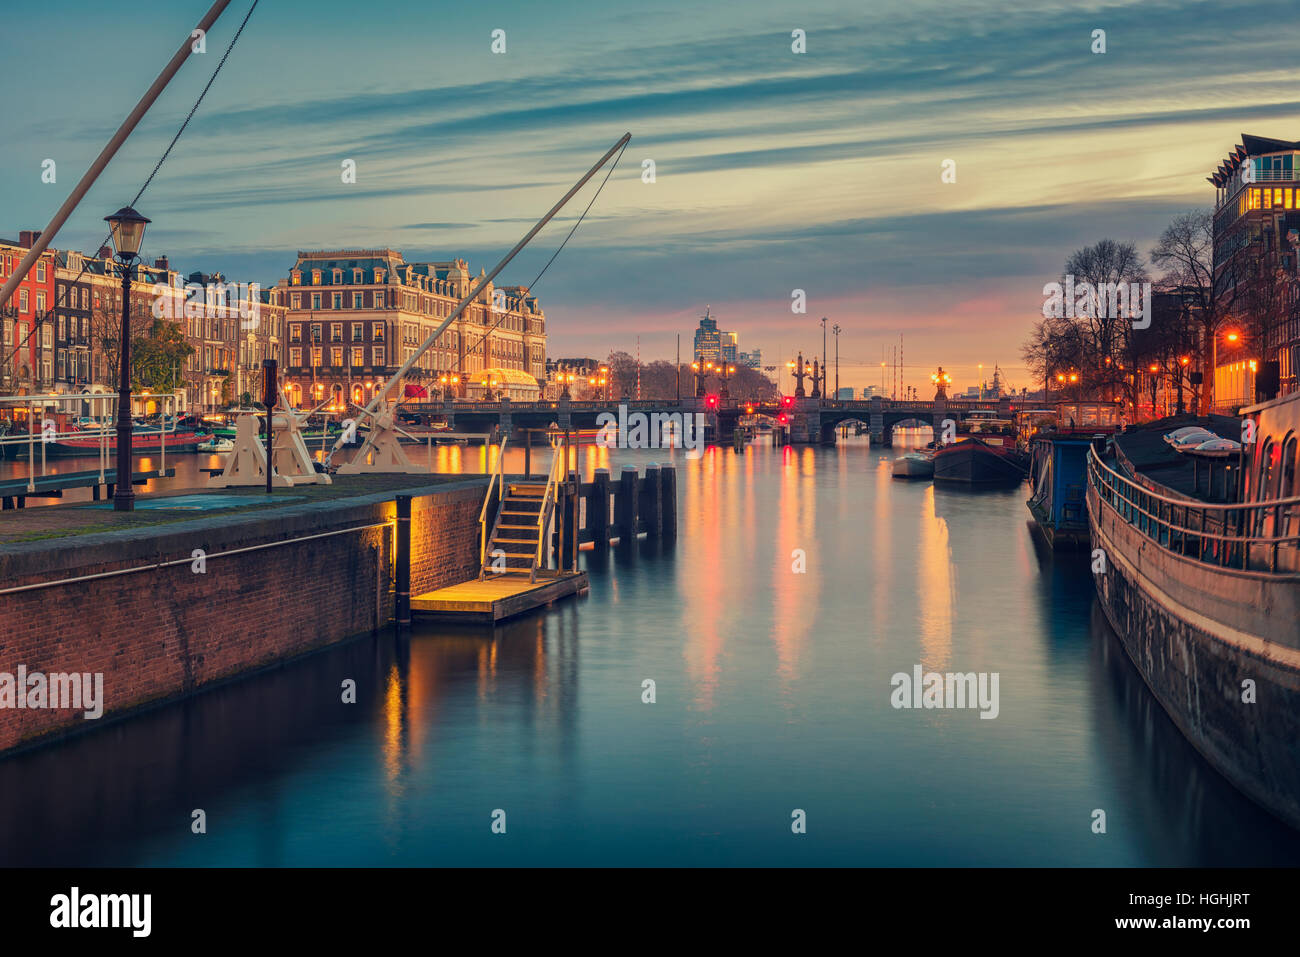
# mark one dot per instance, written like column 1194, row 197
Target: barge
column 1198, row 573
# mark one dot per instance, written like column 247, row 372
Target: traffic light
column 787, row 401
column 782, row 419
column 711, row 401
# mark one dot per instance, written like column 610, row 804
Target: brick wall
column 165, row 632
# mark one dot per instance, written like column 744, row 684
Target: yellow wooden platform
column 493, row 599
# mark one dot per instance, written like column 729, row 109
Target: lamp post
column 127, row 229
column 836, row 330
column 724, row 371
column 941, row 381
column 1182, row 364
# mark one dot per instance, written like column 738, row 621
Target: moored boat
column 914, row 465
column 215, row 443
column 972, row 462
column 146, row 440
column 1058, row 448
column 1196, row 557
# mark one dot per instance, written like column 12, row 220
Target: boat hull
column 972, row 464
column 148, row 442
column 913, row 466
column 1195, row 633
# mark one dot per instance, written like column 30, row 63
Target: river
column 772, row 691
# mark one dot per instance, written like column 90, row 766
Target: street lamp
column 941, row 381
column 126, row 227
column 724, row 371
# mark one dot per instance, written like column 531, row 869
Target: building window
column 358, row 356
column 315, row 277
column 356, row 332
column 376, row 332
column 296, row 300
column 295, row 358
column 336, row 301
column 295, row 332
column 85, row 298
column 336, row 357
column 315, row 300
column 336, row 332
column 315, row 332
column 379, row 300
column 61, row 329
column 40, row 272
column 356, row 300
column 337, row 276
column 315, row 357
column 356, row 276
column 377, row 352
column 22, row 300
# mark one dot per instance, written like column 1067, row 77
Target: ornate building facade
column 354, row 316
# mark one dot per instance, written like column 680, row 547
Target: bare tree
column 1185, row 253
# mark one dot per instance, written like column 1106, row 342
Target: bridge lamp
column 1074, row 377
column 1233, row 336
column 1184, row 360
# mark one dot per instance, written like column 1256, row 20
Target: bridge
column 807, row 420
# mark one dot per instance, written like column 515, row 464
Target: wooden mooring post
column 402, row 597
column 625, row 506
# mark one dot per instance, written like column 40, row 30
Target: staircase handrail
column 558, row 468
column 497, row 481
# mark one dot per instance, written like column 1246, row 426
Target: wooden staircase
column 516, row 532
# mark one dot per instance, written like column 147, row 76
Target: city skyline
column 775, row 170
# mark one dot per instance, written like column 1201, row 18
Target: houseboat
column 1196, row 556
column 1059, row 440
column 984, row 454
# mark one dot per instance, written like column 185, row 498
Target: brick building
column 27, row 366
column 1256, row 264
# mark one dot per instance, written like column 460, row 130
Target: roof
column 517, row 377
column 1249, row 146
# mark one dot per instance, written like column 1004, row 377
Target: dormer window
column 379, row 275
column 357, row 275
column 315, row 277
column 295, row 278
column 337, row 276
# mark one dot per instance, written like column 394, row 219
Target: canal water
column 802, row 580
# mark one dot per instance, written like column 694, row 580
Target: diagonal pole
column 101, row 161
column 373, row 404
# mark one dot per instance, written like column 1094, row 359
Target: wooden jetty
column 490, row 600
column 15, row 492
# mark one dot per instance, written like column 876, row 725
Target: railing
column 1226, row 536
column 559, row 466
column 498, row 482
column 42, row 431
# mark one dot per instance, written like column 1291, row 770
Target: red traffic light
column 711, row 401
column 782, row 419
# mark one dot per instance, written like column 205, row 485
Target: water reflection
column 772, row 693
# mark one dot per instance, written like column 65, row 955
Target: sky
column 774, row 170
